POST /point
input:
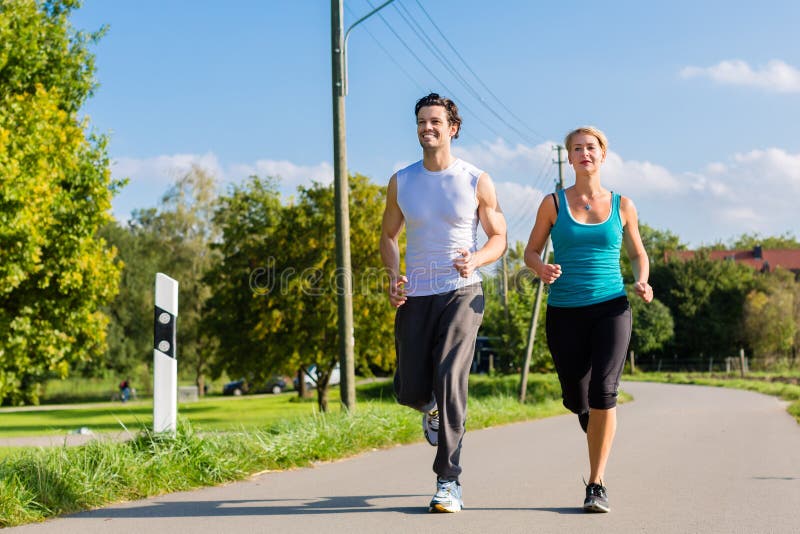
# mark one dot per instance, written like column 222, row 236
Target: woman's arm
column 545, row 219
column 640, row 263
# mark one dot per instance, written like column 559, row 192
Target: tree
column 55, row 193
column 245, row 285
column 771, row 322
column 175, row 239
column 130, row 328
column 514, row 333
column 657, row 243
column 186, row 221
column 748, row 241
column 309, row 311
column 653, row 325
column 706, row 298
column 275, row 288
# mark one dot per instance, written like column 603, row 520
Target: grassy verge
column 210, row 413
column 761, row 383
column 39, row 483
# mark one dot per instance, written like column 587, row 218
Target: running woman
column 588, row 314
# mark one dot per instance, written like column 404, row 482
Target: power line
column 422, row 63
column 480, row 80
column 391, row 57
column 423, row 36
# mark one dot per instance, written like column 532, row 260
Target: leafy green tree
column 175, row 239
column 309, row 312
column 657, row 243
column 245, row 285
column 514, row 328
column 748, row 241
column 55, row 193
column 275, row 289
column 771, row 322
column 653, row 326
column 514, row 333
column 706, row 298
column 186, row 221
column 130, row 329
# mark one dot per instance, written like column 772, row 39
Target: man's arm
column 493, row 223
column 391, row 227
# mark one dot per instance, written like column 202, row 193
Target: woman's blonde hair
column 591, row 130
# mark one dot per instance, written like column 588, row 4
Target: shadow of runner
column 566, row 510
column 255, row 507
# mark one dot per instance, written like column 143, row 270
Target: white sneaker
column 430, row 426
column 447, row 498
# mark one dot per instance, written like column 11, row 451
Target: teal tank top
column 589, row 258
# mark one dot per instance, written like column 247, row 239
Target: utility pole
column 560, row 162
column 523, row 389
column 344, row 281
column 344, row 272
column 505, row 288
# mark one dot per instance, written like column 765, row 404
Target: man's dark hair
column 434, row 99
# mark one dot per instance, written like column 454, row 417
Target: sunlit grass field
column 210, row 413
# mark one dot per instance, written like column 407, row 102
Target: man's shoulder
column 469, row 168
column 413, row 167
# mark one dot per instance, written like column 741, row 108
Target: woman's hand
column 549, row 272
column 644, row 290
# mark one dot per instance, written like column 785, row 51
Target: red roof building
column 763, row 260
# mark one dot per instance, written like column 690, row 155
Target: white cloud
column 291, row 174
column 749, row 192
column 163, row 170
column 518, row 163
column 638, row 177
column 776, row 75
column 150, row 178
column 753, row 191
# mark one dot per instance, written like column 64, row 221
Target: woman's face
column 585, row 153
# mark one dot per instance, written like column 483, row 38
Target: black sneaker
column 596, row 499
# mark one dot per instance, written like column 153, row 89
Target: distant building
column 763, row 260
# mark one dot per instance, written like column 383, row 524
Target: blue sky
column 700, row 100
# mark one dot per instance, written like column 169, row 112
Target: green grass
column 221, row 440
column 210, row 413
column 767, row 383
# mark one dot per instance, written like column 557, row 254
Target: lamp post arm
column 347, row 36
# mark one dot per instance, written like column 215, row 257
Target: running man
column 440, row 200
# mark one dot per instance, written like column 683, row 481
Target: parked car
column 311, row 377
column 236, row 388
column 275, row 384
column 490, row 358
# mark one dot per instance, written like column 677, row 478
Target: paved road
column 686, row 459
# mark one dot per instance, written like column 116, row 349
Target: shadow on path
column 256, row 507
column 283, row 507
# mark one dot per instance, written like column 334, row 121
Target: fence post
column 741, row 361
column 633, row 365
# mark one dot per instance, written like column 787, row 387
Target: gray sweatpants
column 435, row 342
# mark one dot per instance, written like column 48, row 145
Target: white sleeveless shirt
column 441, row 215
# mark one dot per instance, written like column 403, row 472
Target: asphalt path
column 686, row 459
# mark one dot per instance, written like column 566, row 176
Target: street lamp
column 344, row 289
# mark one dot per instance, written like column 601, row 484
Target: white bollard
column 165, row 357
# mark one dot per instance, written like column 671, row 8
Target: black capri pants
column 589, row 345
